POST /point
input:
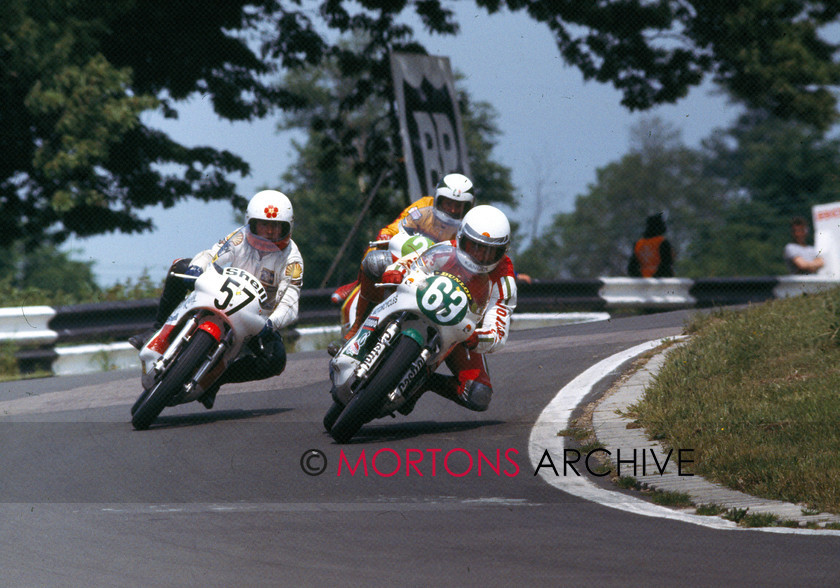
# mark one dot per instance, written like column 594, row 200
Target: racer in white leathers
column 482, row 241
column 264, row 248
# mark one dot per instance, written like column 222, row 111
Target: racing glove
column 194, row 270
column 472, row 342
column 481, row 341
column 393, row 276
column 263, row 340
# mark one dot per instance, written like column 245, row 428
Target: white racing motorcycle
column 405, row 242
column 199, row 340
column 384, row 366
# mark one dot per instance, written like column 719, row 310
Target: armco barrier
column 47, row 330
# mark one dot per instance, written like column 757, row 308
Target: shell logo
column 271, row 211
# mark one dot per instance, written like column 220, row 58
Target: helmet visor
column 483, row 253
column 452, row 208
column 271, row 230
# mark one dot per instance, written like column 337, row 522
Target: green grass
column 756, row 395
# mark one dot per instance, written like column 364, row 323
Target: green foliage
column 78, row 75
column 754, row 394
column 728, row 205
column 658, row 174
column 775, row 170
column 47, row 276
column 349, row 147
column 767, row 54
column 785, row 166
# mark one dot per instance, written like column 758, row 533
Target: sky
column 555, row 128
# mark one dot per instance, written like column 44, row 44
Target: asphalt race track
column 220, row 498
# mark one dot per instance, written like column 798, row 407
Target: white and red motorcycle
column 384, row 366
column 199, row 340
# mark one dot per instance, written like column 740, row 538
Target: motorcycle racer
column 482, row 241
column 264, row 248
column 436, row 217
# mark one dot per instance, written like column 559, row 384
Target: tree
column 340, row 164
column 76, row 76
column 46, row 272
column 659, row 174
column 773, row 170
column 767, row 54
column 729, row 205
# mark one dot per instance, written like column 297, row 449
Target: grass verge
column 755, row 394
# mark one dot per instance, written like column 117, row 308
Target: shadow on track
column 193, row 419
column 397, row 432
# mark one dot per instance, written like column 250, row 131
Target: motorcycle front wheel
column 332, row 414
column 185, row 366
column 366, row 402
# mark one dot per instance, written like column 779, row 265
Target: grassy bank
column 756, row 393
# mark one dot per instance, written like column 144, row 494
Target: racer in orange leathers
column 436, row 217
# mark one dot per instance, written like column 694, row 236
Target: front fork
column 368, row 365
column 175, row 347
column 198, row 384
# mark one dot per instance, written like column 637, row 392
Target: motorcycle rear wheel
column 185, row 366
column 366, row 402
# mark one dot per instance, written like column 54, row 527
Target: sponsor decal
column 294, row 270
column 461, row 285
column 370, row 323
column 415, row 213
column 266, row 275
column 377, row 350
column 251, row 280
column 828, row 214
column 415, row 368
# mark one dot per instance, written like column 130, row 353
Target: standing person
column 436, row 217
column 652, row 255
column 801, row 259
column 264, row 248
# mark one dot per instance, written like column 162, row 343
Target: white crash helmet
column 453, row 198
column 273, row 206
column 483, row 239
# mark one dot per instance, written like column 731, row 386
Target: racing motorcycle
column 202, row 336
column 408, row 240
column 384, row 366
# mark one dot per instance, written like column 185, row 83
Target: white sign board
column 430, row 124
column 827, row 237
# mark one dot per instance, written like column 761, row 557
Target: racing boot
column 140, row 339
column 334, row 346
column 409, row 404
column 209, row 397
column 342, row 292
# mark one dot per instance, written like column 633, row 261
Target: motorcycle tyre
column 332, row 415
column 365, row 404
column 141, row 399
column 191, row 358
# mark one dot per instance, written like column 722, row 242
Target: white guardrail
column 31, row 325
column 83, row 359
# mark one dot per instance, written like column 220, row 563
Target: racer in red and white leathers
column 482, row 241
column 436, row 217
